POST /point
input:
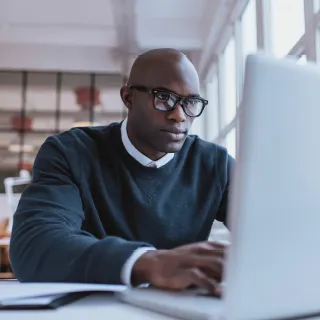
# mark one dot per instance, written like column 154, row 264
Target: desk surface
column 94, row 307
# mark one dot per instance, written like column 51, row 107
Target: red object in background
column 83, row 97
column 19, row 123
column 25, row 165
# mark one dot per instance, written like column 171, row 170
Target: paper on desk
column 33, row 301
column 14, row 290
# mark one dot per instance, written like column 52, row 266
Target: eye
column 163, row 96
column 193, row 102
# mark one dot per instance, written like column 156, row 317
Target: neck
column 143, row 148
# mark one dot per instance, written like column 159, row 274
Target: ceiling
column 82, row 36
column 113, row 30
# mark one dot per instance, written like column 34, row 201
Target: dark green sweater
column 90, row 205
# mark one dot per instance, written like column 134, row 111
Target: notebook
column 24, row 296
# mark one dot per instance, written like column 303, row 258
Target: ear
column 126, row 97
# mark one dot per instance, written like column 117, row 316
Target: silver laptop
column 273, row 266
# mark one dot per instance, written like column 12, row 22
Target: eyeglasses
column 164, row 100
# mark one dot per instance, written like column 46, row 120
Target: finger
column 220, row 290
column 213, row 265
column 209, row 249
column 199, row 260
column 199, row 279
column 219, row 245
column 215, row 273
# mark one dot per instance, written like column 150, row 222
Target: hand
column 199, row 264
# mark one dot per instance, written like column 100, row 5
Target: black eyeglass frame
column 179, row 100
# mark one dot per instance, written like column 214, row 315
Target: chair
column 14, row 186
column 5, row 268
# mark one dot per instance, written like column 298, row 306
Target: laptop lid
column 273, row 267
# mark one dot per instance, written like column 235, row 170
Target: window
column 76, row 100
column 230, row 83
column 41, row 100
column 10, row 97
column 111, row 108
column 230, row 142
column 249, row 29
column 287, row 24
column 35, row 105
column 211, row 112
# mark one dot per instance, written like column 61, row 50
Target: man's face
column 156, row 112
column 165, row 131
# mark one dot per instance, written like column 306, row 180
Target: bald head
column 163, row 68
column 162, row 88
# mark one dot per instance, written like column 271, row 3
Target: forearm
column 48, row 251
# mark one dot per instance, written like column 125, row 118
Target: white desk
column 94, row 307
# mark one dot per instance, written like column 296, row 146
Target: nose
column 177, row 114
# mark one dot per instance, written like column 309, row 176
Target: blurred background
column 62, row 62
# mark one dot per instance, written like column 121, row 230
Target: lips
column 175, row 134
column 175, row 130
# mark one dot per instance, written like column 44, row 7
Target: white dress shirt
column 145, row 161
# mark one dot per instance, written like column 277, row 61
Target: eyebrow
column 193, row 95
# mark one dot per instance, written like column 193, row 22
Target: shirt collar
column 137, row 155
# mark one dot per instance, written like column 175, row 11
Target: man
column 129, row 203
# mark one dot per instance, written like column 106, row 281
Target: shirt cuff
column 127, row 267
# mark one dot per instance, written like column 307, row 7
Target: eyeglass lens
column 164, row 101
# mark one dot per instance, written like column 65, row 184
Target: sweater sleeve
column 222, row 214
column 47, row 243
